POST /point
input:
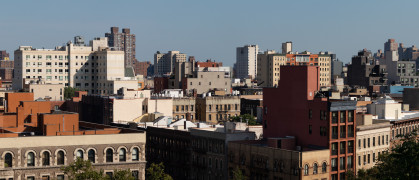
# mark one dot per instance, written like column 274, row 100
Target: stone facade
column 213, row 109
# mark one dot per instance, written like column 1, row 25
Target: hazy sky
column 213, row 29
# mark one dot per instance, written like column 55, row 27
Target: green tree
column 122, row 175
column 250, row 119
column 238, row 174
column 69, row 92
column 156, row 172
column 82, row 170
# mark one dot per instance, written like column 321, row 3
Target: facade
column 165, row 63
column 262, row 160
column 184, row 108
column 215, row 109
column 209, row 63
column 57, row 138
column 52, row 92
column 365, row 72
column 123, row 42
column 336, row 69
column 311, row 118
column 205, row 81
column 6, row 68
column 250, row 105
column 94, row 68
column 141, row 68
column 4, row 55
column 269, row 64
column 246, row 61
column 373, row 138
column 411, row 97
column 287, row 47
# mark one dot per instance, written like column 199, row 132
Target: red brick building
column 209, row 63
column 160, row 84
column 140, row 68
column 296, row 109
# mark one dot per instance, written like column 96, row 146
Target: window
column 334, row 164
column 368, row 142
column 343, row 131
column 334, row 117
column 324, row 167
column 334, row 148
column 60, row 158
column 109, row 174
column 109, row 155
column 350, row 116
column 373, row 141
column 135, row 174
column 45, row 178
column 30, row 178
column 342, row 163
column 365, row 143
column 310, row 114
column 91, row 155
column 334, row 132
column 315, row 168
column 8, row 160
column 359, row 160
column 31, row 159
column 122, row 155
column 135, row 154
column 45, row 158
column 79, row 154
column 60, row 177
column 342, row 147
column 373, row 157
column 306, row 169
column 342, row 116
column 350, row 146
column 369, row 158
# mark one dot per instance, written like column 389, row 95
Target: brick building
column 296, row 109
column 36, row 142
column 123, row 42
column 209, row 63
column 4, row 55
column 142, row 68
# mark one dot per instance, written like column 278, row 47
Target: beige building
column 373, row 138
column 205, row 81
column 213, row 109
column 165, row 63
column 184, row 108
column 269, row 64
column 267, row 161
column 52, row 92
column 385, row 108
column 94, row 68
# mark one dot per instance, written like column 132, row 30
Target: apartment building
column 269, row 64
column 294, row 109
column 94, row 68
column 215, row 109
column 6, row 68
column 4, row 55
column 51, row 92
column 205, row 80
column 36, row 142
column 373, row 138
column 184, row 108
column 246, row 65
column 277, row 158
column 365, row 72
column 124, row 41
column 141, row 68
column 164, row 63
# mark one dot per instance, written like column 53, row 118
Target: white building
column 246, row 64
column 94, row 68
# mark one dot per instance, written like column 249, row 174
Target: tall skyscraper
column 246, row 65
column 123, row 42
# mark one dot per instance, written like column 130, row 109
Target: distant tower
column 123, row 42
column 246, row 65
column 286, row 47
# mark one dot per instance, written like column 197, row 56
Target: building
column 124, row 41
column 165, row 63
column 4, row 55
column 277, row 158
column 36, row 142
column 269, row 65
column 411, row 97
column 365, row 72
column 6, row 69
column 296, row 109
column 142, row 68
column 249, row 104
column 51, row 92
column 373, row 137
column 336, row 69
column 204, row 81
column 215, row 109
column 209, row 63
column 184, row 108
column 94, row 68
column 287, row 47
column 246, row 65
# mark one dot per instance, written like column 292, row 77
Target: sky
column 213, row 29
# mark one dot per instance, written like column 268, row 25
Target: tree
column 83, row 170
column 250, row 119
column 69, row 92
column 238, row 174
column 156, row 172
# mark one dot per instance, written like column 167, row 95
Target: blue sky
column 213, row 29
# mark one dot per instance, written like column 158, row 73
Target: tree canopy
column 156, row 172
column 69, row 92
column 250, row 119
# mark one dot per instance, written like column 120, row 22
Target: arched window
column 324, row 167
column 315, row 168
column 306, row 169
column 45, row 158
column 91, row 155
column 8, row 160
column 60, row 158
column 109, row 155
column 31, row 159
column 79, row 154
column 122, row 155
column 135, row 154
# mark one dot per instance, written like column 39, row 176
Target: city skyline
column 213, row 30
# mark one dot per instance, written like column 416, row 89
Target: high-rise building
column 296, row 109
column 4, row 55
column 141, row 68
column 287, row 47
column 246, row 65
column 94, row 68
column 6, row 69
column 364, row 72
column 123, row 42
column 165, row 63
